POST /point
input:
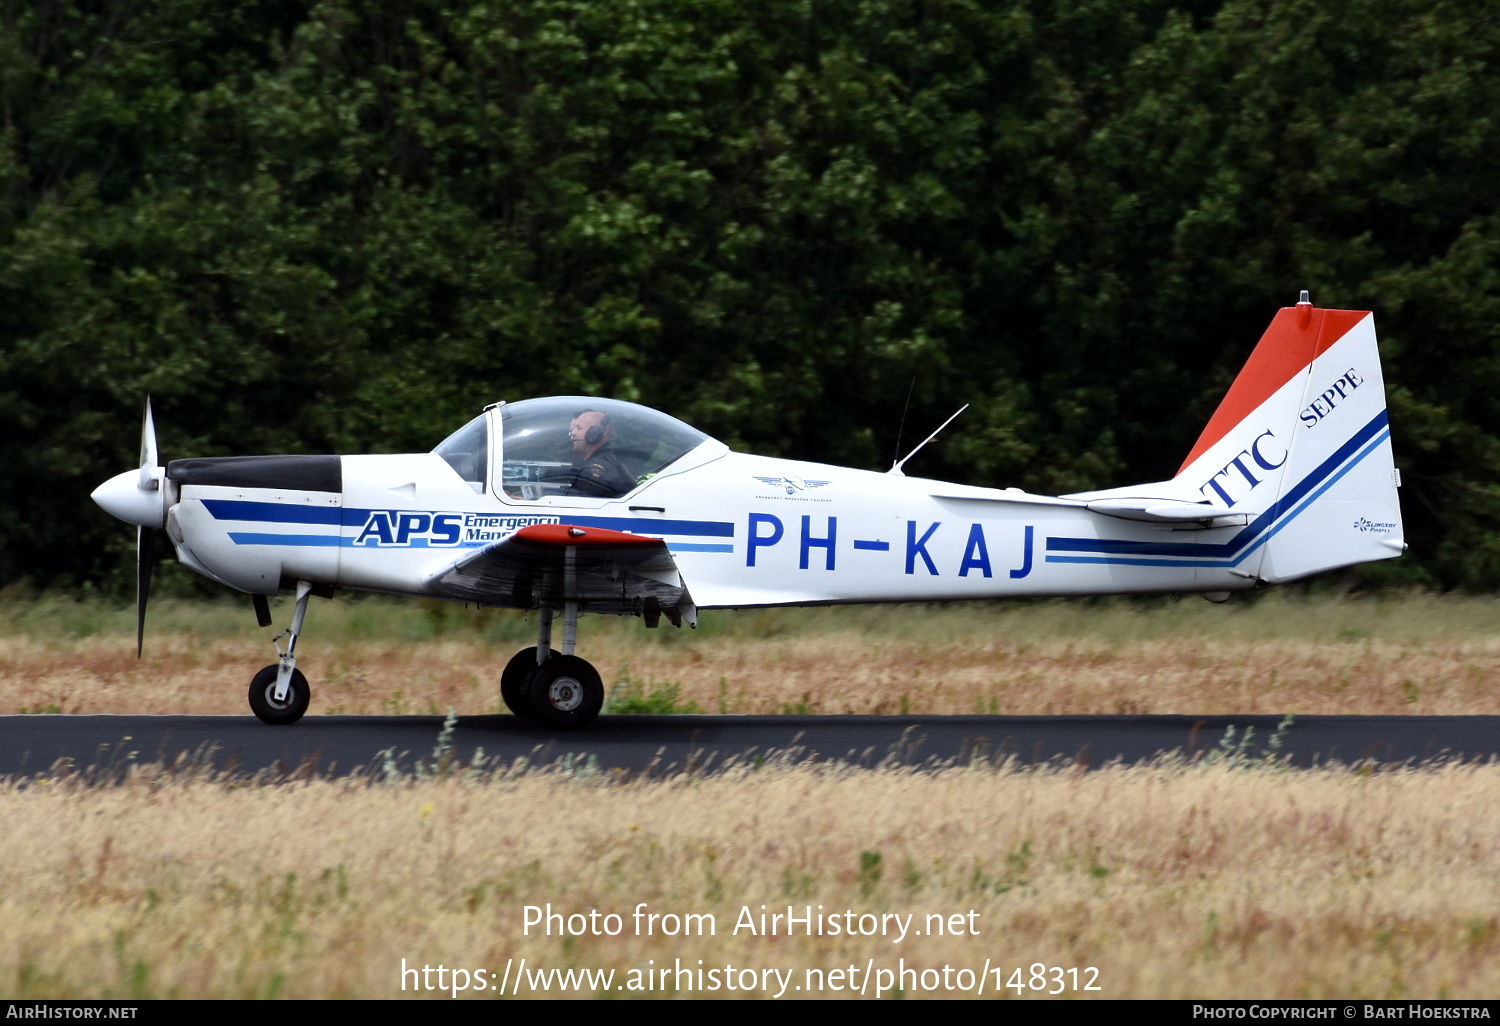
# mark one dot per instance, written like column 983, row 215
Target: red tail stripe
column 1288, row 347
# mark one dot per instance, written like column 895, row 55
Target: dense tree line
column 346, row 226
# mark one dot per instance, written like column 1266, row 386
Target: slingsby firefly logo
column 1373, row 525
column 412, row 529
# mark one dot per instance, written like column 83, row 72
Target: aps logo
column 401, row 528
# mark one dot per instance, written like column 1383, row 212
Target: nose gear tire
column 267, row 709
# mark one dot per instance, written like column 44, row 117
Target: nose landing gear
column 279, row 693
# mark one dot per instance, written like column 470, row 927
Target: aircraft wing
column 605, row 571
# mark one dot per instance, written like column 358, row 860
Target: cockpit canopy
column 570, row 446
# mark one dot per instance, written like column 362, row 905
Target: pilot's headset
column 595, row 434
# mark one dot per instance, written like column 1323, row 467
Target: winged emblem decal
column 793, row 485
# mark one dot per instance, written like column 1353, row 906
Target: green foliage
column 345, row 226
column 632, row 695
column 870, row 871
column 1241, row 754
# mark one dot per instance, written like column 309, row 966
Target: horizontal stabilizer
column 1159, row 510
column 1012, row 496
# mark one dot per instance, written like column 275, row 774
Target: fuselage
column 744, row 530
column 1293, row 475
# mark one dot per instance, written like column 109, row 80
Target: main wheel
column 565, row 693
column 265, row 706
column 513, row 682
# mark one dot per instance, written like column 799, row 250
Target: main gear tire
column 513, row 682
column 565, row 693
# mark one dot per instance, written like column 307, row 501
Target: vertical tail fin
column 1301, row 445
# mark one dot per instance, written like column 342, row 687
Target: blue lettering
column 1025, row 559
column 976, row 556
column 1213, row 483
column 408, row 524
column 446, row 529
column 809, row 542
column 378, row 526
column 1237, row 465
column 756, row 540
column 1324, row 404
column 1259, row 458
column 918, row 547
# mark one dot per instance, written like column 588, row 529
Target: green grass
column 630, row 694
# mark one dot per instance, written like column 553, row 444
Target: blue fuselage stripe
column 299, row 513
column 1257, row 533
column 334, row 541
column 300, row 540
column 274, row 512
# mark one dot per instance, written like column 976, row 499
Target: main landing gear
column 557, row 689
column 279, row 693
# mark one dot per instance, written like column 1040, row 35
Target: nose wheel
column 268, row 708
column 279, row 693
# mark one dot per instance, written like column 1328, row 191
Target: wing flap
column 605, row 571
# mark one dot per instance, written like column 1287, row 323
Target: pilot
column 598, row 470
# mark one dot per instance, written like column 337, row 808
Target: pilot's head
column 588, row 431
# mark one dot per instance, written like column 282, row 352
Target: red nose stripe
column 568, row 534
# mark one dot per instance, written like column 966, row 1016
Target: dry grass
column 1414, row 654
column 1173, row 881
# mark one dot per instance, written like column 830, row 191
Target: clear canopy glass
column 467, row 451
column 596, row 448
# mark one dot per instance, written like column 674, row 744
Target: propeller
column 148, row 482
column 140, row 497
column 145, row 552
column 145, row 536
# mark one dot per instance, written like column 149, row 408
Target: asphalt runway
column 30, row 745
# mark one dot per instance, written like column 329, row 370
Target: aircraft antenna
column 896, row 449
column 896, row 467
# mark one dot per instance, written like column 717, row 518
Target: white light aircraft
column 570, row 505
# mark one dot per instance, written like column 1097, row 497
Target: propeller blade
column 145, row 545
column 148, row 450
